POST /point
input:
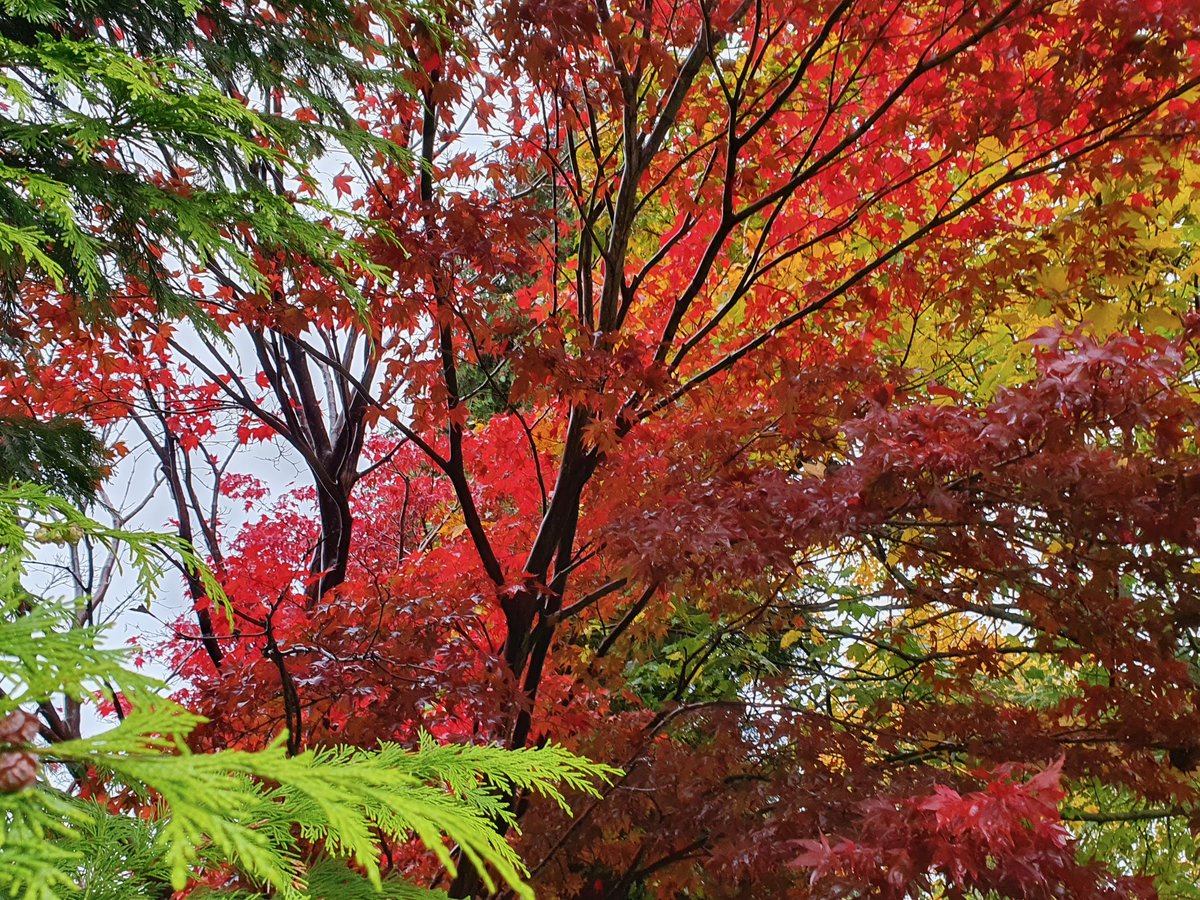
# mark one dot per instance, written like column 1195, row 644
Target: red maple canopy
column 791, row 403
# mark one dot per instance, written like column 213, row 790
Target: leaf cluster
column 61, row 454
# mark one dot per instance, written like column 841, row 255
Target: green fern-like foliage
column 305, row 826
column 60, row 453
column 128, row 144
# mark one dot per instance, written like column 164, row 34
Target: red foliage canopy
column 627, row 450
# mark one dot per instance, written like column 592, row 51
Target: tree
column 770, row 503
column 127, row 151
column 133, row 160
column 130, row 150
column 130, row 159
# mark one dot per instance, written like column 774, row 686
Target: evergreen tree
column 138, row 141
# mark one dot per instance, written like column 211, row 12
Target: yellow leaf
column 1103, row 317
column 1161, row 241
column 1159, row 319
column 1054, row 278
column 790, row 638
column 991, row 149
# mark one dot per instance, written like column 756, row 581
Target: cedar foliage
column 129, row 150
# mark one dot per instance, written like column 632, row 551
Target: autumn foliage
column 789, row 402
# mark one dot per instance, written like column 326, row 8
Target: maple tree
column 790, row 403
column 122, row 159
